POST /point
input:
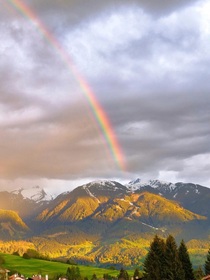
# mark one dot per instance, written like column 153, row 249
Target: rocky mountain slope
column 191, row 196
column 84, row 203
column 106, row 222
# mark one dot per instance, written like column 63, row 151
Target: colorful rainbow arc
column 96, row 108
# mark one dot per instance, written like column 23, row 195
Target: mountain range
column 106, row 222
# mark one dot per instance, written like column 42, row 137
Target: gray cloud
column 147, row 64
column 81, row 9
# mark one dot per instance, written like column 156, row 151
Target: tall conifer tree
column 207, row 264
column 154, row 262
column 73, row 273
column 185, row 260
column 136, row 274
column 174, row 270
column 123, row 274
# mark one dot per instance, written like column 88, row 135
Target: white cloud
column 16, row 118
column 136, row 50
column 203, row 8
column 93, row 45
column 197, row 169
column 169, row 176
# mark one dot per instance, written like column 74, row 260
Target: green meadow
column 29, row 267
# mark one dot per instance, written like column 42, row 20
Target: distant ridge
column 35, row 193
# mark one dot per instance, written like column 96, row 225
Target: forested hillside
column 108, row 223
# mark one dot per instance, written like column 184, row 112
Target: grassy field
column 28, row 267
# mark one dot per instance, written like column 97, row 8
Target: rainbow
column 97, row 110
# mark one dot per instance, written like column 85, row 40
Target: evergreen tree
column 94, row 277
column 26, row 256
column 106, row 276
column 123, row 274
column 77, row 273
column 207, row 264
column 69, row 273
column 136, row 274
column 173, row 266
column 2, row 260
column 185, row 260
column 154, row 262
column 73, row 273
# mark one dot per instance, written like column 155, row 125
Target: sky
column 145, row 64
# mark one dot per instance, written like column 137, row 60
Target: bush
column 2, row 260
column 26, row 256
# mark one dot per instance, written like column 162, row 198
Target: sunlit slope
column 145, row 207
column 193, row 197
column 11, row 225
column 158, row 210
column 81, row 202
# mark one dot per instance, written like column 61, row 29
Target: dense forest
column 165, row 260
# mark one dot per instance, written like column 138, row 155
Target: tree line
column 166, row 261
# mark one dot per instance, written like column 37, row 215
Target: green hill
column 29, row 267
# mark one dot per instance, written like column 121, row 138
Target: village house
column 38, row 277
column 34, row 277
column 16, row 277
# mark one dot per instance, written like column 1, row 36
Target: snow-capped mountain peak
column 155, row 184
column 104, row 188
column 35, row 193
column 161, row 184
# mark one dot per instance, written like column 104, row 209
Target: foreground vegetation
column 164, row 261
column 128, row 252
column 29, row 267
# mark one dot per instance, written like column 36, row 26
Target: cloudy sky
column 148, row 65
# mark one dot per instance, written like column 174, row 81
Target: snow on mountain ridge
column 35, row 193
column 91, row 194
column 162, row 184
column 100, row 183
column 156, row 184
column 103, row 183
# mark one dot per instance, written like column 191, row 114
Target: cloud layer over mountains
column 148, row 65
